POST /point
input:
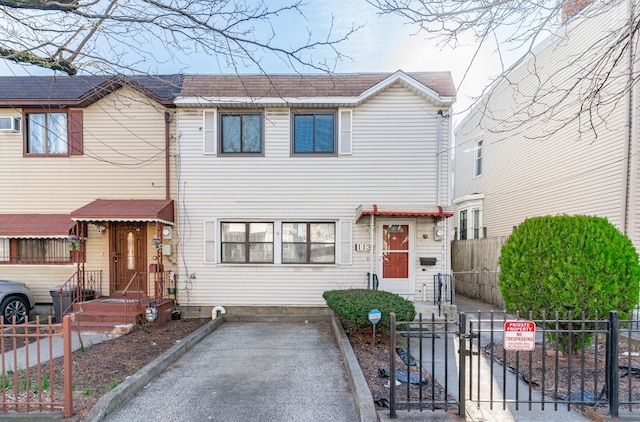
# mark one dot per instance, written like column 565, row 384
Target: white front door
column 395, row 247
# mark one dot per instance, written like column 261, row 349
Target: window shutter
column 210, row 230
column 345, row 242
column 345, row 132
column 74, row 129
column 209, row 123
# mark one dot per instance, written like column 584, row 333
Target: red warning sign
column 519, row 335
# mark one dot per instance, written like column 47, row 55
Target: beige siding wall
column 553, row 163
column 124, row 144
column 393, row 162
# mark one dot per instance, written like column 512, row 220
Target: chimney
column 570, row 8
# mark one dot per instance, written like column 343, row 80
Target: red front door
column 128, row 254
column 395, row 250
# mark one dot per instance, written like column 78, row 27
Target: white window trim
column 212, row 241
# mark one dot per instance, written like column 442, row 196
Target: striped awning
column 126, row 210
column 35, row 226
column 402, row 211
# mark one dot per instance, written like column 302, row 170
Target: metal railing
column 81, row 286
column 28, row 382
column 443, row 290
column 557, row 373
column 573, row 364
column 144, row 288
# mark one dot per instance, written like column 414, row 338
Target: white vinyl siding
column 392, row 145
column 574, row 170
column 209, row 131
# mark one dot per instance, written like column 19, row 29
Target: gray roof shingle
column 337, row 85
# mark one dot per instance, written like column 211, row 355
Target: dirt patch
column 579, row 376
column 375, row 358
column 101, row 367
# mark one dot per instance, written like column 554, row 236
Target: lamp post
column 374, row 317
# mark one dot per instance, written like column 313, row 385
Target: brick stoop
column 107, row 315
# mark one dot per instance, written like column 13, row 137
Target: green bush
column 353, row 306
column 569, row 263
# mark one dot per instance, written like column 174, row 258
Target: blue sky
column 384, row 44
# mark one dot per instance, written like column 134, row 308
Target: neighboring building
column 280, row 179
column 537, row 144
column 86, row 156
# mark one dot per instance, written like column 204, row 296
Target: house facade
column 90, row 159
column 557, row 135
column 292, row 185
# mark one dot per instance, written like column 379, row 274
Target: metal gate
column 427, row 356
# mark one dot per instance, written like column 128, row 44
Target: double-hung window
column 314, row 132
column 247, row 243
column 47, row 133
column 308, row 243
column 241, row 133
column 463, row 225
column 477, row 171
column 476, row 223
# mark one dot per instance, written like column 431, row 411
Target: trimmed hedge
column 353, row 306
column 569, row 263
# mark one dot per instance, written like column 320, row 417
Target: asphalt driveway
column 251, row 372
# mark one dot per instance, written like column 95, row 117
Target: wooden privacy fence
column 28, row 380
column 474, row 264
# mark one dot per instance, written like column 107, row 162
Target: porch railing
column 28, row 382
column 143, row 288
column 81, row 286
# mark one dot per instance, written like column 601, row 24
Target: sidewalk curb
column 131, row 385
column 361, row 392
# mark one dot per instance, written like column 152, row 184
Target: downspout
column 439, row 169
column 371, row 252
column 168, row 118
column 628, row 191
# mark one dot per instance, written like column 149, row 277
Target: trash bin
column 62, row 300
column 88, row 295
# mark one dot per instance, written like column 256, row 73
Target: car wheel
column 14, row 306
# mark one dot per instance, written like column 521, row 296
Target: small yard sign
column 519, row 335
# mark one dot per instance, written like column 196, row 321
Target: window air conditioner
column 10, row 124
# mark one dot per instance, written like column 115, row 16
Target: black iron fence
column 582, row 364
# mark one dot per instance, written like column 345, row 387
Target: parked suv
column 15, row 300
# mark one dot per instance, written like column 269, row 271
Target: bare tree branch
column 69, row 35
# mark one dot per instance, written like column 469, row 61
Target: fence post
column 67, row 360
column 612, row 364
column 392, row 367
column 462, row 376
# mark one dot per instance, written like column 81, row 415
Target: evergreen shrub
column 353, row 306
column 569, row 264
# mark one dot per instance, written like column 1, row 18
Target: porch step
column 102, row 327
column 428, row 308
column 111, row 317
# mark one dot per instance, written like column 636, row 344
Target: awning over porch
column 126, row 210
column 35, row 226
column 402, row 211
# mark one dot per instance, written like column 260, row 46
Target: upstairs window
column 240, row 133
column 47, row 134
column 478, row 159
column 53, row 133
column 314, row 133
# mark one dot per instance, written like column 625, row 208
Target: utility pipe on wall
column 439, row 169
